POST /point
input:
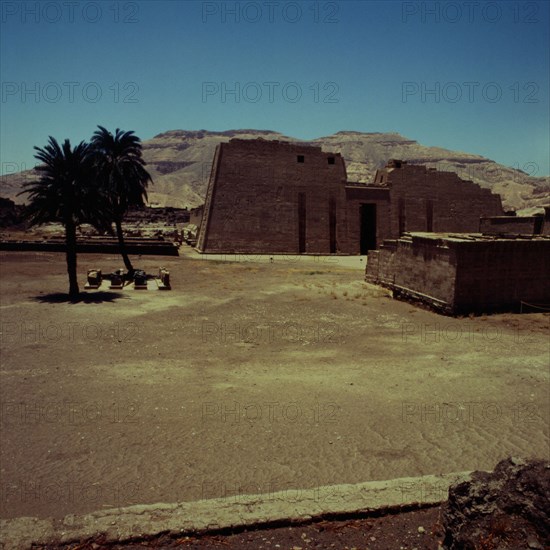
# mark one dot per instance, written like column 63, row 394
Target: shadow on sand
column 83, row 298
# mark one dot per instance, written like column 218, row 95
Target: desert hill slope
column 180, row 161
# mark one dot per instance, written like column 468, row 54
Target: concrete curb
column 120, row 524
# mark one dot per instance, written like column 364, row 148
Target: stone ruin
column 278, row 197
column 119, row 277
column 507, row 509
column 465, row 273
column 163, row 279
column 94, row 278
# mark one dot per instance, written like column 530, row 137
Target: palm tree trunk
column 122, row 248
column 70, row 242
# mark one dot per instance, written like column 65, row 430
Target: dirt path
column 248, row 378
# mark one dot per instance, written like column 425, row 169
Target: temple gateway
column 278, row 197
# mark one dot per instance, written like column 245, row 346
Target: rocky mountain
column 180, row 162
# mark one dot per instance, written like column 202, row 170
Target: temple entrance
column 368, row 228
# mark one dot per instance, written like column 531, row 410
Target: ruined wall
column 416, row 198
column 500, row 274
column 356, row 196
column 546, row 224
column 512, row 225
column 279, row 197
column 263, row 194
column 455, row 204
column 424, row 267
column 465, row 274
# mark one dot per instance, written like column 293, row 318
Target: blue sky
column 470, row 76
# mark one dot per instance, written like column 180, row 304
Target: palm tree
column 120, row 171
column 62, row 194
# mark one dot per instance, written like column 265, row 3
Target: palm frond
column 120, row 168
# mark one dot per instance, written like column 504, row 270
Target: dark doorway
column 539, row 224
column 332, row 224
column 301, row 223
column 368, row 228
column 429, row 216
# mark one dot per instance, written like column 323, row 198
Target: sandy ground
column 248, row 377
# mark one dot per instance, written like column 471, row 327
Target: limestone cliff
column 180, row 162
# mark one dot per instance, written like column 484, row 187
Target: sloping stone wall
column 500, row 274
column 255, row 199
column 462, row 273
column 511, row 225
column 278, row 197
column 456, row 204
column 418, row 267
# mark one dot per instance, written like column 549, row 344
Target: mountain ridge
column 180, row 163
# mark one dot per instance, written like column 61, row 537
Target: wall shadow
column 83, row 298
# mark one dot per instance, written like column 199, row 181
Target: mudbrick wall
column 425, row 199
column 269, row 197
column 465, row 273
column 279, row 197
column 514, row 225
column 500, row 274
column 425, row 269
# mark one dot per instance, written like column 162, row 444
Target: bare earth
column 248, row 377
column 388, row 532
